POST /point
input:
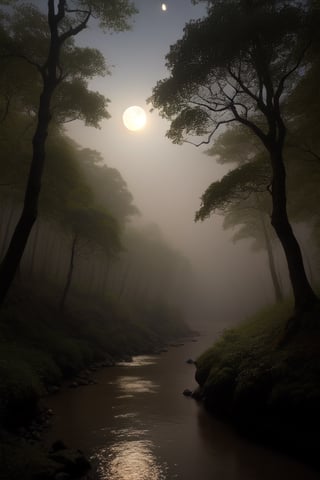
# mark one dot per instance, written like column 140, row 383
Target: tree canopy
column 46, row 42
column 228, row 65
column 238, row 64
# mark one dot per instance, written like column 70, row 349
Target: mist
column 159, row 239
column 167, row 180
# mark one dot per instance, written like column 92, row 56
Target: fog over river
column 135, row 424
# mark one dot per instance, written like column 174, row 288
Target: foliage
column 55, row 32
column 229, row 86
column 21, row 80
column 235, row 186
column 40, row 345
column 268, row 388
column 237, row 64
column 109, row 189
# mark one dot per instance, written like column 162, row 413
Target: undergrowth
column 268, row 388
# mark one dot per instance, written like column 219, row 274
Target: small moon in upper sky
column 134, row 118
column 163, row 7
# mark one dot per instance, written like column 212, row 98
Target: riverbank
column 41, row 348
column 268, row 388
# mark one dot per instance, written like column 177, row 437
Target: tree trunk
column 70, row 272
column 7, row 229
column 23, row 228
column 272, row 268
column 304, row 297
column 34, row 250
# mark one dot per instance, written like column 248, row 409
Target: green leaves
column 237, row 185
column 232, row 65
column 74, row 101
column 112, row 14
column 26, row 35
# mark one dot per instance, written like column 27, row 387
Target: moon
column 134, row 118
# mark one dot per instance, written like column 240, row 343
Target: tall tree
column 64, row 21
column 242, row 197
column 237, row 65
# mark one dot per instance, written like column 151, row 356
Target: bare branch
column 206, row 142
column 209, row 107
column 280, row 87
column 22, row 57
column 258, row 99
column 245, row 121
column 75, row 30
column 306, row 149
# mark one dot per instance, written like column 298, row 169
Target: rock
column 187, row 393
column 74, row 385
column 35, row 436
column 83, row 381
column 190, row 361
column 197, row 394
column 52, row 389
column 107, row 362
column 73, row 462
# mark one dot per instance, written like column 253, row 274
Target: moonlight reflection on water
column 130, row 460
column 136, row 425
column 131, row 455
column 133, row 385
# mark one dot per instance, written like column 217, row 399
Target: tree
column 241, row 197
column 95, row 227
column 238, row 64
column 64, row 21
column 108, row 186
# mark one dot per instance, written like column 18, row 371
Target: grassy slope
column 39, row 346
column 270, row 389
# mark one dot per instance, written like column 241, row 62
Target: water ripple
column 139, row 361
column 130, row 460
column 130, row 384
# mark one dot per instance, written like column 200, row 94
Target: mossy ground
column 268, row 384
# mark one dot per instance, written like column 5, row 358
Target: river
column 135, row 424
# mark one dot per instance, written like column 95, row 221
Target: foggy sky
column 167, row 180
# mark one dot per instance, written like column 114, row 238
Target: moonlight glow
column 134, row 118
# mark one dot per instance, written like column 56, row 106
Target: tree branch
column 209, row 107
column 75, row 30
column 258, row 99
column 263, row 137
column 206, row 142
column 280, row 87
column 22, row 57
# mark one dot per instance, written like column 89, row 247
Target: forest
column 255, row 102
column 85, row 281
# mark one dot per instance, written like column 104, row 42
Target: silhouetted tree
column 96, row 228
column 236, row 65
column 44, row 45
column 238, row 196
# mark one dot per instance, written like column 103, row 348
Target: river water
column 135, row 424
